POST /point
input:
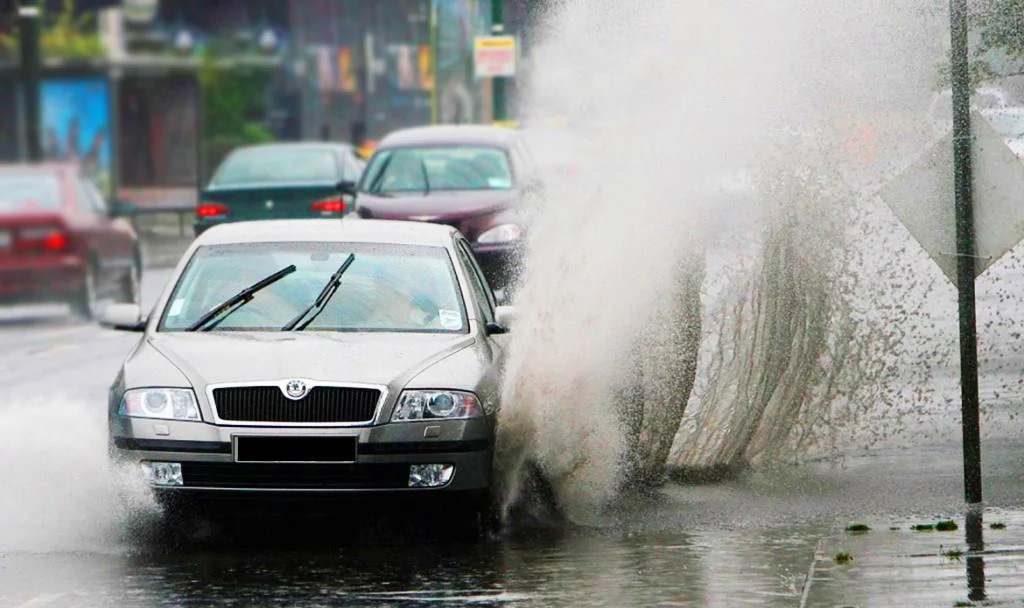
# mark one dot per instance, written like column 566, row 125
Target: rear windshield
column 438, row 168
column 277, row 165
column 28, row 192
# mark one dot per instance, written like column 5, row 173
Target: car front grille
column 323, row 404
column 294, row 476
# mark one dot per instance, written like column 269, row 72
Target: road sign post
column 965, row 251
column 499, row 110
column 28, row 37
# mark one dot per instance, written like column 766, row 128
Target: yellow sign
column 494, row 56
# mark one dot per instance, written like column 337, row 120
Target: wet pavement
column 66, row 540
column 749, row 541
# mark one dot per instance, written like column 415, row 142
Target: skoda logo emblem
column 295, row 389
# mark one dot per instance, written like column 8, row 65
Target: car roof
column 48, row 167
column 310, row 145
column 447, row 135
column 347, row 230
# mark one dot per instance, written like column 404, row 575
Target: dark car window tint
column 21, row 193
column 482, row 292
column 438, row 168
column 277, row 165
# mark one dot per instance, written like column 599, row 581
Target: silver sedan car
column 315, row 357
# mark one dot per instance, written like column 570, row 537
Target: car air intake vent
column 323, row 404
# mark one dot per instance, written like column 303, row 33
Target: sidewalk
column 894, row 565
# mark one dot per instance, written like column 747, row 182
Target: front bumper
column 383, row 456
column 49, row 278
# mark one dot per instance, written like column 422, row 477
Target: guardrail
column 165, row 232
column 147, row 219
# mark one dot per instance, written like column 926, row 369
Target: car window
column 353, row 168
column 27, row 192
column 438, row 168
column 481, row 290
column 94, row 199
column 386, row 288
column 284, row 164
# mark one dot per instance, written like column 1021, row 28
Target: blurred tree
column 233, row 99
column 999, row 50
column 67, row 34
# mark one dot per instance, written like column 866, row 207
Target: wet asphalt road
column 65, row 541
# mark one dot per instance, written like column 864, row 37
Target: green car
column 280, row 181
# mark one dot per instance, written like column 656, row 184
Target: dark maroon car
column 471, row 177
column 59, row 241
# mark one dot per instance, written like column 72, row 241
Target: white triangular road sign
column 922, row 198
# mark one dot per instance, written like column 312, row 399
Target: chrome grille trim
column 280, row 385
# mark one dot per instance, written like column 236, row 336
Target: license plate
column 295, row 449
column 5, row 239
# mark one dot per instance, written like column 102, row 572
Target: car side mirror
column 123, row 209
column 504, row 319
column 347, row 187
column 124, row 317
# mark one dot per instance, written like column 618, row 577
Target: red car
column 60, row 242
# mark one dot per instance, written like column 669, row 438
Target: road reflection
column 974, row 531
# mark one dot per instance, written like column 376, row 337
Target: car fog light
column 430, row 475
column 163, row 473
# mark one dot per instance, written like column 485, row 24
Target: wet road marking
column 42, row 600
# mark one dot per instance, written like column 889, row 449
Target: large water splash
column 725, row 149
column 60, row 492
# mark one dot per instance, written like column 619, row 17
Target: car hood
column 369, row 358
column 444, row 206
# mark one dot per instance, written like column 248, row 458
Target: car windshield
column 284, row 164
column 20, row 192
column 438, row 168
column 386, row 288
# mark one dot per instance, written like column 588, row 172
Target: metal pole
column 965, row 265
column 499, row 112
column 28, row 35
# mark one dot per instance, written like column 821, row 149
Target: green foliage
column 1000, row 28
column 64, row 36
column 953, row 554
column 231, row 97
column 946, row 526
column 843, row 558
column 997, row 525
column 857, row 528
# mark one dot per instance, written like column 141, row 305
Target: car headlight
column 164, row 403
column 435, row 405
column 505, row 233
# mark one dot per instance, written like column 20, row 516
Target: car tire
column 85, row 303
column 131, row 284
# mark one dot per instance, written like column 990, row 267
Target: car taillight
column 211, row 210
column 57, row 241
column 42, row 239
column 329, row 205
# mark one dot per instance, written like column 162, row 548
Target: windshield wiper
column 321, row 300
column 426, row 180
column 240, row 299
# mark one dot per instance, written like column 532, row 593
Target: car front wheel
column 130, row 284
column 84, row 304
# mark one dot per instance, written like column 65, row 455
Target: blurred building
column 187, row 80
